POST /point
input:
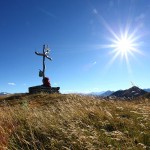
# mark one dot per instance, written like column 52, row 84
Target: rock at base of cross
column 44, row 89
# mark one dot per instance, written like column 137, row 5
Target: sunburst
column 124, row 45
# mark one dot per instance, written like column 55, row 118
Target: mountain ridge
column 129, row 93
column 4, row 93
column 101, row 93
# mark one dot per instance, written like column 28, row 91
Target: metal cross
column 45, row 53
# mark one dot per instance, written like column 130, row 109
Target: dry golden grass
column 73, row 122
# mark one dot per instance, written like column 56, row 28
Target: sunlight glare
column 124, row 45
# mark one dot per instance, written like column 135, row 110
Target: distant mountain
column 131, row 92
column 147, row 90
column 4, row 93
column 107, row 93
column 96, row 93
column 102, row 93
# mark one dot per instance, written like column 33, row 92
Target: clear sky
column 96, row 45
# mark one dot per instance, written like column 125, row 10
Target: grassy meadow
column 73, row 122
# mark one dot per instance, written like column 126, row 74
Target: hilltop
column 75, row 122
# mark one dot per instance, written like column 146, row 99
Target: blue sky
column 81, row 35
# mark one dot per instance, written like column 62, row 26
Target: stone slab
column 39, row 89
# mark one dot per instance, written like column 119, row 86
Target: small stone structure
column 41, row 88
column 46, row 86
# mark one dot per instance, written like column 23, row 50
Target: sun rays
column 124, row 45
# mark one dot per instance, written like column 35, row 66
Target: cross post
column 44, row 54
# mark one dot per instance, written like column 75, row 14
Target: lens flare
column 123, row 44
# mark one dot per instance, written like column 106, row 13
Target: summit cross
column 45, row 54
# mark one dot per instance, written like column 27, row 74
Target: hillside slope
column 50, row 122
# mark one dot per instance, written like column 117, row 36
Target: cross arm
column 40, row 54
column 48, row 57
